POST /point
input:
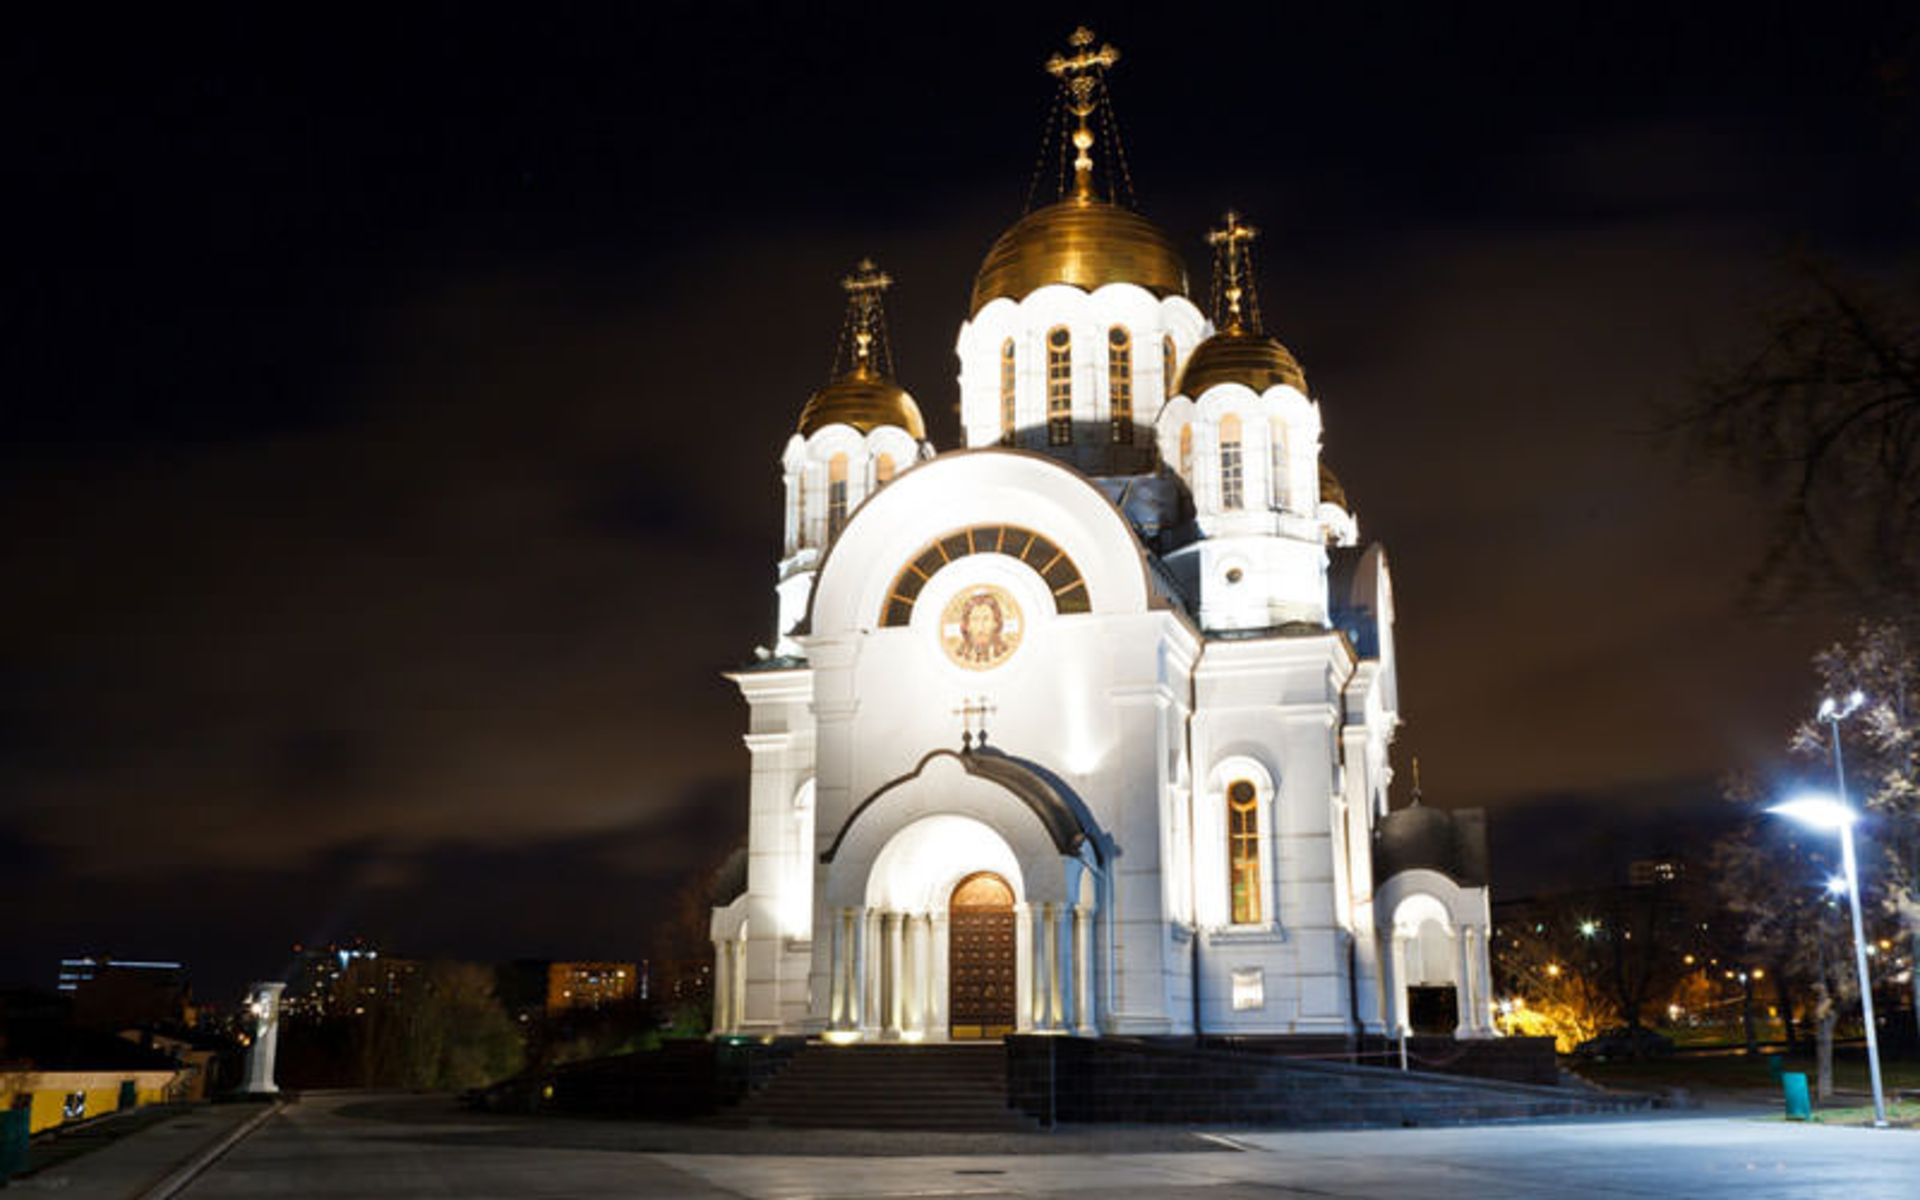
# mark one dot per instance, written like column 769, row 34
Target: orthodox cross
column 1231, row 255
column 1080, row 74
column 864, row 288
column 973, row 711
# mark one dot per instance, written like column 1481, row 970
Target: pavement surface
column 135, row 1158
column 355, row 1145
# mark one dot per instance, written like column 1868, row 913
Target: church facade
column 1085, row 726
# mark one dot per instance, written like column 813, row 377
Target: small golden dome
column 1330, row 490
column 865, row 401
column 1240, row 357
column 1083, row 242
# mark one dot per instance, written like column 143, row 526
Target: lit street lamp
column 1836, row 816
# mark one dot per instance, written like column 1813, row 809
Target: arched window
column 1166, row 365
column 1120, row 383
column 1006, row 392
column 1243, row 851
column 1186, row 454
column 1059, row 386
column 836, row 496
column 1231, row 492
column 883, row 470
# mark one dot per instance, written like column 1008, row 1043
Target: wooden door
column 980, row 958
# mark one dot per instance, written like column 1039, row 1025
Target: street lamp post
column 1826, row 812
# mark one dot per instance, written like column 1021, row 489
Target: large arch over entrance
column 892, row 874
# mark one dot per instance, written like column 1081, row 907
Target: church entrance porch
column 981, row 959
column 959, row 902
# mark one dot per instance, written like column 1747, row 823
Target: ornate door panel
column 980, row 958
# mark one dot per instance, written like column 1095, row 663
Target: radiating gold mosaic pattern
column 1049, row 561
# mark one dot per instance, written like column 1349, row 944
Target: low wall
column 1109, row 1080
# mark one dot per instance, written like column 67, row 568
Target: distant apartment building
column 112, row 993
column 591, row 985
column 340, row 977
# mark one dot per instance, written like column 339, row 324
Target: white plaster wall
column 1276, row 703
column 1088, row 316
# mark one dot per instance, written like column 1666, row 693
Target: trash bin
column 1799, row 1103
column 1775, row 1065
column 14, row 1126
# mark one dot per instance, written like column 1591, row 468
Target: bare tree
column 1822, row 425
column 1881, row 749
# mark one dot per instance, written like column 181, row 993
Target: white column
column 1047, row 1007
column 857, row 989
column 1463, row 981
column 1396, row 974
column 1083, row 970
column 872, row 1016
column 722, row 987
column 837, row 971
column 1023, row 982
column 920, row 959
column 1483, row 972
column 937, row 975
column 263, row 1005
column 896, row 976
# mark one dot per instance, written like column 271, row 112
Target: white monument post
column 263, row 1005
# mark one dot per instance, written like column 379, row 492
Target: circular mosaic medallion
column 980, row 627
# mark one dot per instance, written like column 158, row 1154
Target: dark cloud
column 393, row 414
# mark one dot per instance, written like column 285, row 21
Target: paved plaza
column 344, row 1145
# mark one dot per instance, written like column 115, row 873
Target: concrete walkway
column 136, row 1164
column 342, row 1145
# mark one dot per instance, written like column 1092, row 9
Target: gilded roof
column 865, row 401
column 1232, row 356
column 1083, row 242
column 1330, row 490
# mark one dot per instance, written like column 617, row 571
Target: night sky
column 391, row 408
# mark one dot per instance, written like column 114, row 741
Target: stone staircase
column 1136, row 1081
column 945, row 1087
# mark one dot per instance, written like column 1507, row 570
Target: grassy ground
column 1738, row 1072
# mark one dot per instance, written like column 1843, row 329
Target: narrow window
column 1277, row 435
column 836, row 496
column 883, row 470
column 1230, row 491
column 1243, row 851
column 1186, row 454
column 1166, row 365
column 1006, row 392
column 1059, row 386
column 1120, row 383
column 800, row 507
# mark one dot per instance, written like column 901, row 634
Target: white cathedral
column 1085, row 728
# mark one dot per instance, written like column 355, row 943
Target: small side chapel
column 1086, row 726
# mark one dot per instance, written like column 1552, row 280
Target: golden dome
column 865, row 401
column 1083, row 242
column 1330, row 490
column 1240, row 357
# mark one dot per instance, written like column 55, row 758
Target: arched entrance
column 981, row 958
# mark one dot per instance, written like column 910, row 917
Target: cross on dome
column 1233, row 275
column 866, row 323
column 1081, row 74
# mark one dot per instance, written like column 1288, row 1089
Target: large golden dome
column 1083, row 242
column 1240, row 356
column 865, row 401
